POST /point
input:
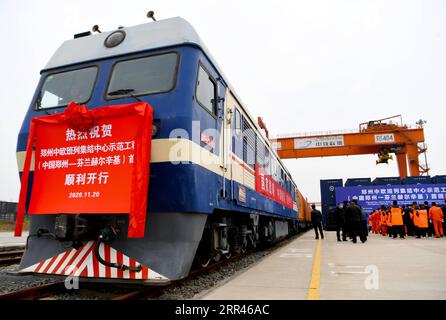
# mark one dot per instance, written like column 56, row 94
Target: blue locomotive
column 217, row 186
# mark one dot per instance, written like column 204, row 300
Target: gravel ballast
column 187, row 289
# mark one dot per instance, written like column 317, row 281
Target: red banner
column 90, row 162
column 266, row 185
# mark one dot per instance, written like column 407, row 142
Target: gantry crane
column 382, row 137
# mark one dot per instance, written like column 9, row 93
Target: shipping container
column 328, row 195
column 439, row 179
column 418, row 180
column 353, row 182
column 328, row 221
column 304, row 211
column 307, row 212
column 301, row 206
column 387, row 181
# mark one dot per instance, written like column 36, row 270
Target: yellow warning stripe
column 315, row 282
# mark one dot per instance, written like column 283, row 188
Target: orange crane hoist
column 382, row 137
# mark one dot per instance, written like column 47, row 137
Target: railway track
column 153, row 292
column 56, row 288
column 34, row 293
column 10, row 257
column 52, row 290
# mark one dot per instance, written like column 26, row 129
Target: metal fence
column 8, row 211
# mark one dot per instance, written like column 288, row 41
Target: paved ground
column 382, row 268
column 7, row 239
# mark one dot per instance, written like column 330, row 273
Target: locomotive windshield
column 60, row 89
column 148, row 75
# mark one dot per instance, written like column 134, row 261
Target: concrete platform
column 7, row 239
column 381, row 268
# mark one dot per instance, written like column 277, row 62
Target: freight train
column 197, row 211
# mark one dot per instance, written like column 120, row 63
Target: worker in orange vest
column 436, row 216
column 389, row 223
column 383, row 221
column 377, row 221
column 423, row 221
column 373, row 222
column 443, row 208
column 396, row 218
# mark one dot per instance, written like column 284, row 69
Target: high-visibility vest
column 423, row 219
column 383, row 217
column 377, row 217
column 389, row 219
column 396, row 216
column 415, row 215
column 371, row 217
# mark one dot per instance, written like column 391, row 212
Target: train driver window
column 206, row 91
column 143, row 76
column 59, row 89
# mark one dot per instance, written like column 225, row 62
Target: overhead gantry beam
column 403, row 142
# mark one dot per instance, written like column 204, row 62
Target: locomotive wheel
column 228, row 255
column 217, row 257
column 204, row 261
column 243, row 249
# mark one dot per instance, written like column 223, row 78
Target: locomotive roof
column 153, row 35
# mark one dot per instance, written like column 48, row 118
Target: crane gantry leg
column 412, row 156
column 402, row 164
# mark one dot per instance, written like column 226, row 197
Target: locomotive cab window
column 59, row 89
column 206, row 91
column 143, row 76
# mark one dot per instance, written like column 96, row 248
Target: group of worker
column 412, row 220
column 350, row 219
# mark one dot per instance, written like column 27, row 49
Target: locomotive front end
column 91, row 212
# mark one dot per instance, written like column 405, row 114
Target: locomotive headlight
column 114, row 39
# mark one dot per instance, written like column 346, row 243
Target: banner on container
column 372, row 197
column 323, row 142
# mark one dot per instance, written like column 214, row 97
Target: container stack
column 328, row 201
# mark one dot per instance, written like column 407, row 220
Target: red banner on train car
column 266, row 185
column 91, row 162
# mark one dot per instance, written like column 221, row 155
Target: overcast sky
column 301, row 65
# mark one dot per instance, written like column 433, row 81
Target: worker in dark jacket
column 316, row 220
column 408, row 222
column 339, row 218
column 353, row 218
column 364, row 232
